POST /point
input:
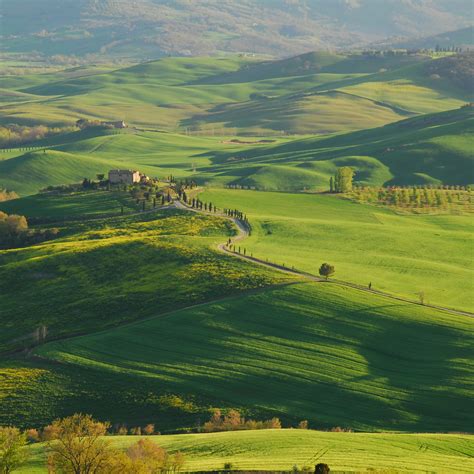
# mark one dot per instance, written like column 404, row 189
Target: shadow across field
column 308, row 351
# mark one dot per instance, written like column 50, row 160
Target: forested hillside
column 153, row 28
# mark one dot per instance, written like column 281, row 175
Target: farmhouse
column 124, row 176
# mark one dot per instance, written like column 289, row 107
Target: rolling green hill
column 430, row 149
column 282, row 449
column 463, row 37
column 104, row 272
column 73, row 206
column 305, row 351
column 402, row 254
column 311, row 93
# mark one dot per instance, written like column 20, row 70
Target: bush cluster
column 233, row 421
column 14, row 232
column 7, row 195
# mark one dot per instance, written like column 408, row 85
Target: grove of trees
column 14, row 232
column 14, row 134
column 416, row 197
column 234, row 421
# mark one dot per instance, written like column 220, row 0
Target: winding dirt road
column 243, row 233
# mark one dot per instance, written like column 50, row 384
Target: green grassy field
column 283, row 449
column 78, row 204
column 401, row 254
column 104, row 272
column 431, row 149
column 234, row 94
column 148, row 322
column 70, row 158
column 305, row 351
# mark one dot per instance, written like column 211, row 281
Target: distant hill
column 153, row 28
column 313, row 93
column 462, row 38
column 427, row 149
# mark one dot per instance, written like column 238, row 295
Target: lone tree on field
column 343, row 180
column 321, row 468
column 326, row 270
column 12, row 454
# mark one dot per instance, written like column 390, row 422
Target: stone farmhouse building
column 124, row 176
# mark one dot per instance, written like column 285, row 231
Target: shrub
column 6, row 195
column 49, row 433
column 32, row 435
column 122, row 431
column 149, row 429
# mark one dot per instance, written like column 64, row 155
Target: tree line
column 78, row 445
column 234, row 421
column 416, row 197
column 14, row 134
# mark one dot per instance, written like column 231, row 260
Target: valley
column 144, row 303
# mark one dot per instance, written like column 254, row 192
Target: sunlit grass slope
column 71, row 157
column 315, row 351
column 399, row 254
column 282, row 449
column 431, row 149
column 32, row 171
column 311, row 93
column 302, row 113
column 105, row 272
